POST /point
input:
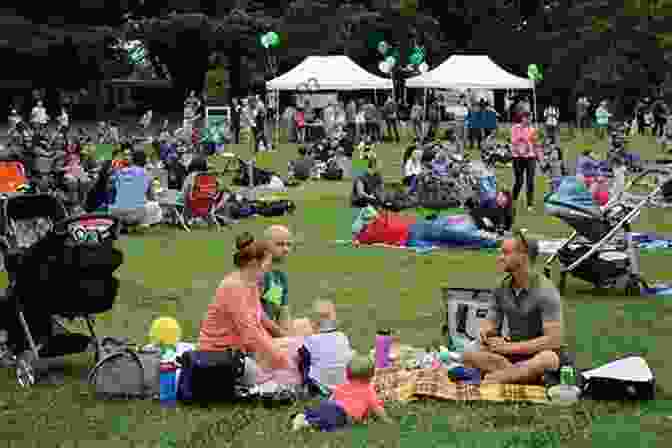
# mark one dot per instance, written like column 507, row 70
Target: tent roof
column 469, row 72
column 331, row 73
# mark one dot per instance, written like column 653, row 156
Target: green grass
column 170, row 272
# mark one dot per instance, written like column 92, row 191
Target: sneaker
column 530, row 208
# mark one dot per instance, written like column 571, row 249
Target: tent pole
column 424, row 121
column 534, row 107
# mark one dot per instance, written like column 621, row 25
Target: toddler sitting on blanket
column 350, row 402
column 326, row 353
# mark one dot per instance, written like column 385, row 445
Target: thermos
column 383, row 344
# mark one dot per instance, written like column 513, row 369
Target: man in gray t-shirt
column 529, row 306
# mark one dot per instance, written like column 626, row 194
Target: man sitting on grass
column 532, row 307
column 367, row 189
column 274, row 293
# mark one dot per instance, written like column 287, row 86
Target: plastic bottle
column 383, row 344
column 168, row 383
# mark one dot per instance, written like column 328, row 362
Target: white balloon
column 423, row 67
column 384, row 67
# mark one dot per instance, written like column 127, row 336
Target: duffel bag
column 275, row 208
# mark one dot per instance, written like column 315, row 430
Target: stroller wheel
column 633, row 288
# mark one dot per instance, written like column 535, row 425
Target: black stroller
column 601, row 249
column 64, row 270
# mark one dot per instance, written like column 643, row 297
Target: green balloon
column 273, row 39
column 264, row 41
column 391, row 60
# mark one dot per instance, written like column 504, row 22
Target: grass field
column 170, row 272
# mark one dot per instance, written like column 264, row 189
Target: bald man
column 531, row 306
column 274, row 298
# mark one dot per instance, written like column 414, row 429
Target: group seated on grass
column 315, row 352
column 481, row 226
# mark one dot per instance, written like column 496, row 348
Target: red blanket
column 388, row 228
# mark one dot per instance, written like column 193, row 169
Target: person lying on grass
column 235, row 319
column 351, row 402
column 532, row 307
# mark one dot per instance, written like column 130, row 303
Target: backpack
column 464, row 309
column 438, row 192
column 333, row 171
column 123, row 372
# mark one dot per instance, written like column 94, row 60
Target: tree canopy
column 582, row 44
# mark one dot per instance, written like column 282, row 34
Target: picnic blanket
column 397, row 384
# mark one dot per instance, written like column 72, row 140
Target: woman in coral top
column 526, row 153
column 235, row 319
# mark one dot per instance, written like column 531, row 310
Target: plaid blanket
column 396, row 384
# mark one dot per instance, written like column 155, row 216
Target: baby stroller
column 601, row 250
column 63, row 271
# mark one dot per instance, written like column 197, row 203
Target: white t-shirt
column 552, row 115
column 40, row 115
column 412, row 167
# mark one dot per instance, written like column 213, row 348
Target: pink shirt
column 234, row 319
column 290, row 375
column 523, row 143
column 357, row 398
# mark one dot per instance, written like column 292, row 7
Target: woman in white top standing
column 552, row 118
column 39, row 117
column 412, row 169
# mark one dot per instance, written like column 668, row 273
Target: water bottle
column 383, row 344
column 168, row 383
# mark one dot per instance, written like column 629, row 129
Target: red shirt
column 357, row 398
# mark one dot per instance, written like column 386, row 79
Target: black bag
column 333, row 171
column 624, row 379
column 274, row 208
column 208, row 377
column 238, row 209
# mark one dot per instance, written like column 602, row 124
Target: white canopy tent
column 327, row 73
column 331, row 73
column 470, row 72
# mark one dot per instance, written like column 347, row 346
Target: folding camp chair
column 203, row 199
column 12, row 176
